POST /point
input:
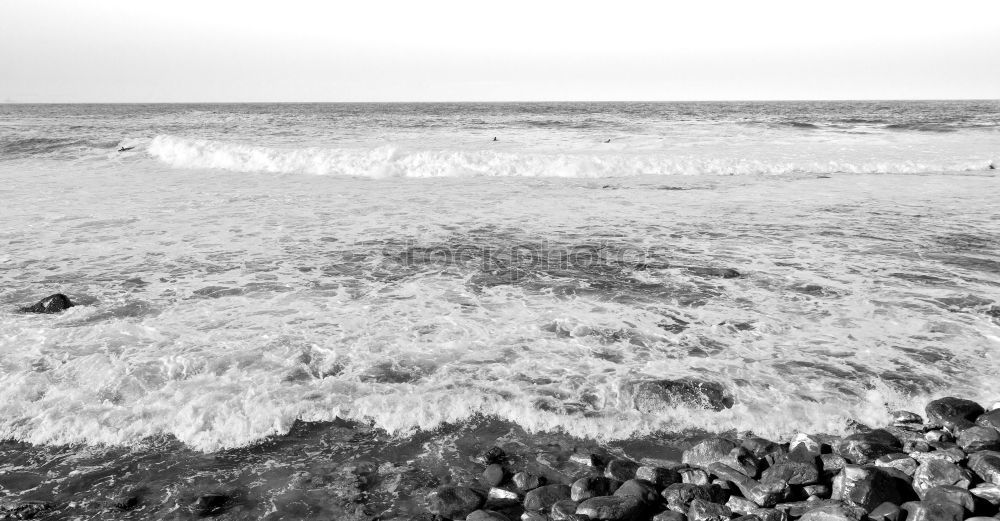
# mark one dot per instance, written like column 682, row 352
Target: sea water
column 242, row 268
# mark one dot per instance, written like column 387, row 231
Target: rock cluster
column 946, row 468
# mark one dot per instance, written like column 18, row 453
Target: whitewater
column 245, row 267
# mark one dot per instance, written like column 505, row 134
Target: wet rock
column 621, row 469
column 938, row 435
column 832, row 464
column 939, row 472
column 708, row 451
column 680, row 495
column 798, row 508
column 989, row 419
column 989, row 492
column 592, row 486
column 534, row 516
column 669, row 515
column 486, row 515
column 125, row 502
column 950, row 412
column 793, row 472
column 587, row 460
column 725, row 273
column 764, row 494
column 954, row 455
column 525, row 481
column 841, row 512
column 936, row 511
column 501, row 494
column 454, row 502
column 640, row 489
column 761, row 447
column 805, row 447
column 977, row 438
column 702, row 510
column 657, row 396
column 613, row 508
column 210, row 504
column 865, row 487
column 542, row 498
column 885, row 512
column 563, row 510
column 954, row 494
column 741, row 505
column 986, row 465
column 865, row 447
column 916, row 446
column 898, row 461
column 494, row 475
column 13, row 509
column 906, row 418
column 821, row 491
column 495, row 455
column 695, row 476
column 50, row 304
column 748, row 517
column 660, row 477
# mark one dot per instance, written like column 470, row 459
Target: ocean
column 271, row 290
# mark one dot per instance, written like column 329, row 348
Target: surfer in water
column 494, row 138
column 125, row 149
column 608, row 141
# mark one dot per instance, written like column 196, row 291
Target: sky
column 502, row 50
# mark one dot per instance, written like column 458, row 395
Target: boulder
column 761, row 447
column 50, row 304
column 770, row 514
column 951, row 412
column 525, row 481
column 954, row 455
column 680, row 495
column 613, row 508
column 702, row 510
column 764, row 494
column 486, row 515
column 492, row 455
column 986, row 465
column 494, row 475
column 453, row 502
column 793, row 472
column 838, row 512
column 832, row 464
column 989, row 492
column 959, row 495
column 741, row 505
column 989, row 419
column 798, row 508
column 899, row 461
column 543, row 497
column 906, row 418
column 864, row 448
column 660, row 477
column 587, row 459
column 592, row 486
column 621, row 469
column 708, row 451
column 695, row 476
column 805, row 447
column 977, row 438
column 563, row 510
column 937, row 511
column 640, row 489
column 865, row 487
column 669, row 515
column 819, row 490
column 939, row 472
column 885, row 512
column 657, row 396
column 938, row 435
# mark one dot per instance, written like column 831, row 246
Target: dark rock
column 748, row 517
column 832, row 464
column 938, row 435
column 820, row 490
column 939, row 472
column 989, row 492
column 936, row 511
column 660, row 477
column 898, row 461
column 989, row 419
column 764, row 494
column 793, row 472
column 977, row 438
column 493, row 455
column 770, row 514
column 13, row 509
column 50, row 304
column 593, row 486
column 916, row 446
column 680, row 495
column 906, row 417
column 702, row 510
column 865, row 487
column 613, row 508
column 494, row 475
column 640, row 489
column 211, row 505
column 486, row 515
column 885, row 512
column 125, row 502
column 695, row 476
column 454, row 502
column 951, row 493
column 657, row 396
column 986, row 465
column 842, row 512
column 588, row 460
column 669, row 515
column 865, row 447
column 542, row 498
column 708, row 451
column 938, row 451
column 949, row 412
column 741, row 505
column 761, row 447
column 563, row 510
column 798, row 508
column 621, row 469
column 804, row 447
column 726, row 273
column 525, row 481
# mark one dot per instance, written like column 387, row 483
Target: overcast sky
column 431, row 50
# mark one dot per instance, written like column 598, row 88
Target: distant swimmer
column 608, row 141
column 125, row 149
column 992, row 167
column 494, row 138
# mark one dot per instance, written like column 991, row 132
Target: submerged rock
column 50, row 304
column 656, row 396
column 726, row 273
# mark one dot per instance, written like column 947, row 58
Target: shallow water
column 234, row 281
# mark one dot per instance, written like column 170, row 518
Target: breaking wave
column 390, row 161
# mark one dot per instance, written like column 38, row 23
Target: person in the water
column 494, row 138
column 125, row 149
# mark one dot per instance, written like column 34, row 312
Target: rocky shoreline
column 945, row 467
